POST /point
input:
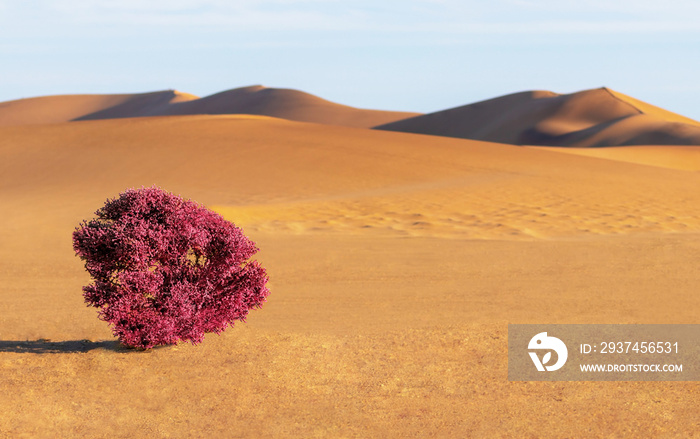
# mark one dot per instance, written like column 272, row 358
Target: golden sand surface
column 396, row 262
column 666, row 156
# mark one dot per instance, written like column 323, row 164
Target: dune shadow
column 43, row 346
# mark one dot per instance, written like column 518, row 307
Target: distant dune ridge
column 259, row 100
column 590, row 118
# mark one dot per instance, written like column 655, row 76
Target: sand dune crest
column 285, row 104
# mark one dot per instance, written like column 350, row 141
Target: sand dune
column 286, row 104
column 591, row 118
column 64, row 108
column 257, row 100
column 396, row 262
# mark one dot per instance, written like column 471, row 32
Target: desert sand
column 665, row 156
column 589, row 118
column 396, row 262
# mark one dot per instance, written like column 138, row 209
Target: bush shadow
column 44, row 346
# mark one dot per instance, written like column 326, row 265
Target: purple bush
column 167, row 269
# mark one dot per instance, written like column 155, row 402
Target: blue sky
column 414, row 55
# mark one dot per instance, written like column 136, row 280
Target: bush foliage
column 167, row 269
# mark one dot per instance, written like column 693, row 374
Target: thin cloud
column 436, row 17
